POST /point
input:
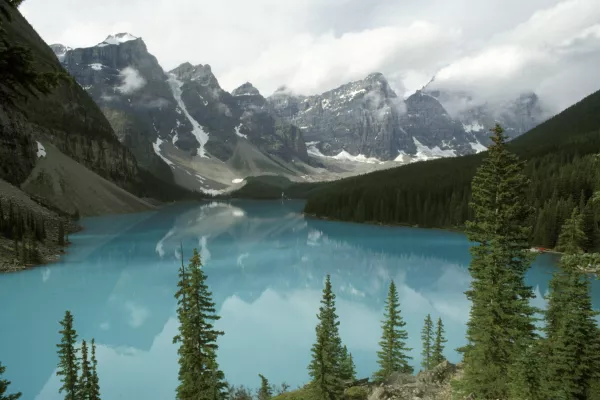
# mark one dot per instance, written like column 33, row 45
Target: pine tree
column 437, row 354
column 94, row 381
column 572, row 238
column 68, row 364
column 393, row 355
column 324, row 368
column 265, row 392
column 84, row 385
column 573, row 349
column 4, row 387
column 199, row 374
column 347, row 367
column 501, row 323
column 427, row 339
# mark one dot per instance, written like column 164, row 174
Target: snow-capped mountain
column 177, row 122
column 183, row 125
column 365, row 121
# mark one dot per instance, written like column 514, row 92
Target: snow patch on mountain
column 237, row 180
column 156, row 145
column 478, row 147
column 96, row 66
column 425, row 153
column 238, row 133
column 345, row 156
column 41, row 151
column 199, row 133
column 473, row 127
column 313, row 150
column 117, row 39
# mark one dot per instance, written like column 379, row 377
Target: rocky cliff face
column 367, row 119
column 133, row 93
column 516, row 116
column 183, row 111
column 361, row 117
column 67, row 116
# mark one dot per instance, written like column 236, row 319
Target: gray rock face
column 428, row 123
column 132, row 90
column 516, row 116
column 360, row 117
column 60, row 51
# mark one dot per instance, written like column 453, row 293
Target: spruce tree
column 427, row 339
column 572, row 238
column 501, row 323
column 68, row 364
column 4, row 387
column 437, row 353
column 94, row 381
column 84, row 385
column 265, row 392
column 347, row 367
column 393, row 355
column 324, row 368
column 199, row 374
column 572, row 345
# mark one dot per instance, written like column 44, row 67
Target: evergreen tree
column 437, row 354
column 94, row 381
column 427, row 338
column 501, row 323
column 393, row 355
column 573, row 347
column 68, row 364
column 199, row 374
column 84, row 385
column 324, row 368
column 572, row 238
column 347, row 367
column 4, row 387
column 265, row 392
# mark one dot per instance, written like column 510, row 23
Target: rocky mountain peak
column 200, row 73
column 117, row 39
column 60, row 50
column 246, row 90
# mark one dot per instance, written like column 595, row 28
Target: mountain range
column 184, row 127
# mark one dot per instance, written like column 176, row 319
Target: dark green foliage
column 265, row 392
column 393, row 355
column 239, row 393
column 427, row 340
column 84, row 385
column 437, row 352
column 356, row 393
column 501, row 323
column 199, row 374
column 572, row 346
column 324, row 368
column 561, row 163
column 4, row 387
column 68, row 364
column 94, row 381
column 572, row 237
column 347, row 367
column 61, row 234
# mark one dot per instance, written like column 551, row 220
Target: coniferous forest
column 562, row 164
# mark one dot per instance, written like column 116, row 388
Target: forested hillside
column 562, row 164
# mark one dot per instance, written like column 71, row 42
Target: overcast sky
column 495, row 48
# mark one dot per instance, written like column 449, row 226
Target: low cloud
column 132, row 81
column 555, row 53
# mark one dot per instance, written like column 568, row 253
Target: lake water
column 265, row 263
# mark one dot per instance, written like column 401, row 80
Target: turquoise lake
column 265, row 263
